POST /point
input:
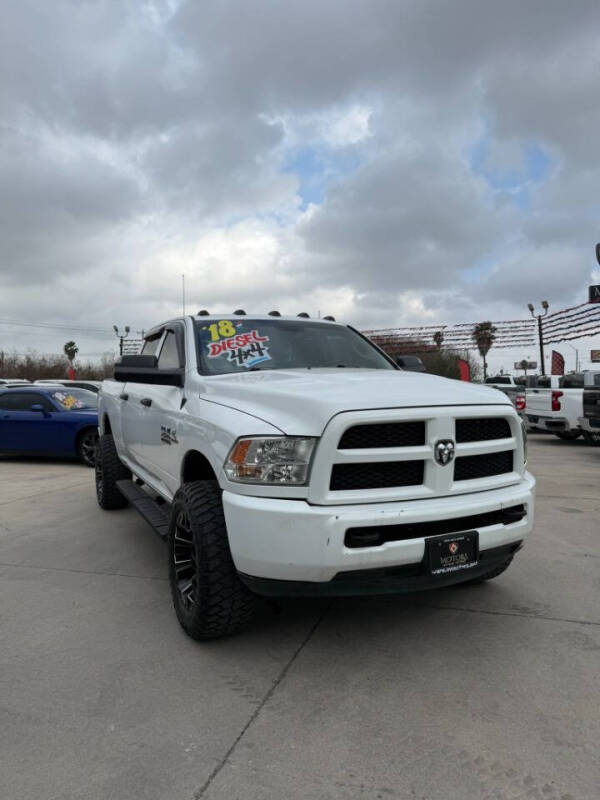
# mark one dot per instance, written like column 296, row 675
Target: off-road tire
column 210, row 599
column 109, row 470
column 569, row 436
column 87, row 446
column 592, row 439
column 493, row 573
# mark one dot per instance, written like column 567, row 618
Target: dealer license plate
column 452, row 552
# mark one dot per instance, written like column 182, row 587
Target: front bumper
column 290, row 540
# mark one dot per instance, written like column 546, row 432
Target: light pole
column 539, row 317
column 121, row 336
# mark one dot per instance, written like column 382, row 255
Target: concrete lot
column 473, row 692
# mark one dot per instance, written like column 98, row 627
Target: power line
column 54, row 326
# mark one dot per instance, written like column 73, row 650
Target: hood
column 301, row 402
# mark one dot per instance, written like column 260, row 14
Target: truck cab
column 289, row 456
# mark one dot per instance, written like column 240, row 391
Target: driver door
column 24, row 430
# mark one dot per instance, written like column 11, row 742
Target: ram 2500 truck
column 289, row 456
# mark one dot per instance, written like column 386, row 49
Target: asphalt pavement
column 488, row 691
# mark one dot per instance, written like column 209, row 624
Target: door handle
column 123, row 397
column 146, row 401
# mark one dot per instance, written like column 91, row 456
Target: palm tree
column 70, row 350
column 484, row 335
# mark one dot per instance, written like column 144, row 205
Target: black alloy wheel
column 184, row 560
column 87, row 446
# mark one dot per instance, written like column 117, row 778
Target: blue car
column 49, row 421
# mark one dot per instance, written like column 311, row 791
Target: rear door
column 24, row 430
column 160, row 446
column 135, row 409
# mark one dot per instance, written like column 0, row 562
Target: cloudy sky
column 392, row 162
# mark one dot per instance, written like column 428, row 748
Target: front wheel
column 87, row 444
column 569, row 436
column 209, row 598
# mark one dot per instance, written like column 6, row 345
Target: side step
column 155, row 515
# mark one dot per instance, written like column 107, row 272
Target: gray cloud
column 135, row 138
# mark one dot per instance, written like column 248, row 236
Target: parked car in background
column 509, row 386
column 500, row 381
column 411, row 363
column 38, row 420
column 590, row 421
column 5, row 381
column 555, row 404
column 91, row 386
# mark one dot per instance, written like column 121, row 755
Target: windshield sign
column 75, row 399
column 240, row 345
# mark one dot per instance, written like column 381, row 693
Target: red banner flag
column 558, row 364
column 465, row 370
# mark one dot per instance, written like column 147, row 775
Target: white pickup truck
column 289, row 456
column 555, row 404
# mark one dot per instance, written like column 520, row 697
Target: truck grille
column 482, row 429
column 347, row 477
column 389, row 454
column 467, row 468
column 387, row 434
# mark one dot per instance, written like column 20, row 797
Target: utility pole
column 183, row 293
column 121, row 336
column 539, row 318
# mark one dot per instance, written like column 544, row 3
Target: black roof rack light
column 239, row 312
column 330, row 318
column 274, row 314
column 203, row 313
column 304, row 315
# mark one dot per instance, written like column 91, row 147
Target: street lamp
column 539, row 317
column 121, row 336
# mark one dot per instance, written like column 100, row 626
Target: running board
column 154, row 514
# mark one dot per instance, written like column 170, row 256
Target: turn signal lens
column 284, row 460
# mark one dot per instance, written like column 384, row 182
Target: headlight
column 524, row 430
column 284, row 460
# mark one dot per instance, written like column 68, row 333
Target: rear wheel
column 569, row 436
column 109, row 470
column 87, row 444
column 592, row 439
column 209, row 598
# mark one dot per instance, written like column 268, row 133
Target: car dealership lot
column 470, row 692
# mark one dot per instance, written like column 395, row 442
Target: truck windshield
column 239, row 345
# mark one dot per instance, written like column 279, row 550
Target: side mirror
column 39, row 407
column 144, row 369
